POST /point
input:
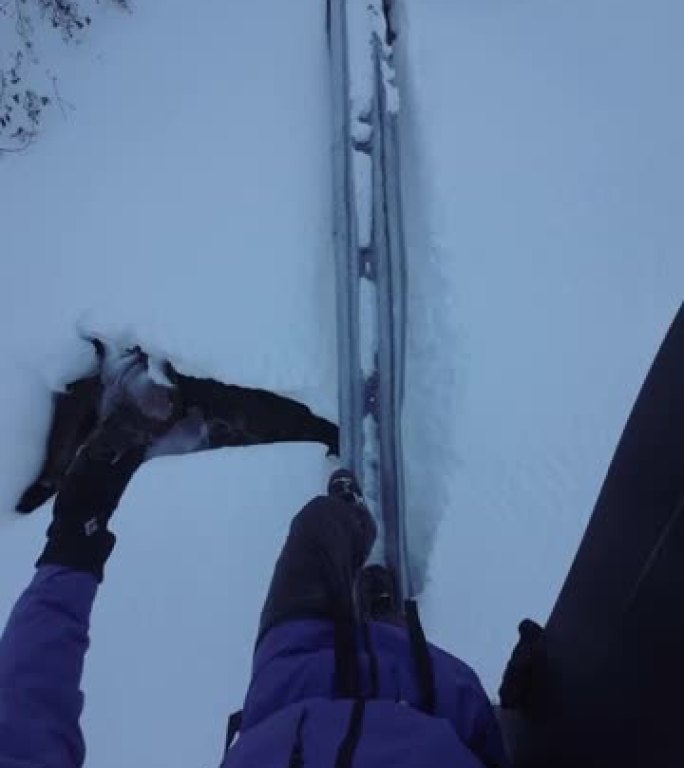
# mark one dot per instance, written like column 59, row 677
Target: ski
column 370, row 265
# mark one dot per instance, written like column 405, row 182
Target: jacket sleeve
column 41, row 663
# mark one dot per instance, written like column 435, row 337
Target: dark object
column 206, row 415
column 421, row 658
column 377, row 595
column 615, row 637
column 387, row 7
column 78, row 535
column 328, row 543
column 345, row 487
column 524, row 679
column 347, row 681
column 74, row 416
column 238, row 416
column 134, row 413
column 234, row 726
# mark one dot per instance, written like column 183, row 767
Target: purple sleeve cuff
column 42, row 651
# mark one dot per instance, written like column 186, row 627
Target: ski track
column 184, row 204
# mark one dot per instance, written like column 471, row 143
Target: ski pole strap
column 234, row 726
column 421, row 658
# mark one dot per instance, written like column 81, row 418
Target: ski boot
column 344, row 486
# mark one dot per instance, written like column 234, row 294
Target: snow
column 362, row 171
column 366, row 29
column 360, row 61
column 183, row 205
column 368, row 326
column 361, row 81
column 371, row 443
column 392, row 98
column 361, row 133
column 388, row 74
column 543, row 158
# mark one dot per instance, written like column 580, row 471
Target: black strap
column 297, row 754
column 347, row 683
column 346, row 667
column 345, row 755
column 234, row 726
column 421, row 658
column 372, row 661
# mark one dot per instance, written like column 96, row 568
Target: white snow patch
column 362, row 169
column 156, row 372
column 371, row 442
column 368, row 326
column 186, row 436
column 392, row 100
column 361, row 132
column 361, row 60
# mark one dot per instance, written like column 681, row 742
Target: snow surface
column 368, row 326
column 360, row 59
column 543, row 159
column 185, row 205
column 362, row 172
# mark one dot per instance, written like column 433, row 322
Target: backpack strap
column 347, row 682
column 421, row 658
column 345, row 755
column 372, row 661
column 297, row 753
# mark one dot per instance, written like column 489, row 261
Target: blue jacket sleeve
column 41, row 663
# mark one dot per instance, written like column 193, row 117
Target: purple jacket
column 290, row 711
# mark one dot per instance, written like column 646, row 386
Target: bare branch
column 21, row 101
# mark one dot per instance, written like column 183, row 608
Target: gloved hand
column 136, row 412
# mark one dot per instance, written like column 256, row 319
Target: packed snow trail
column 184, row 204
column 371, row 269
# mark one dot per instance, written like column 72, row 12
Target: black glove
column 78, row 536
column 138, row 413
